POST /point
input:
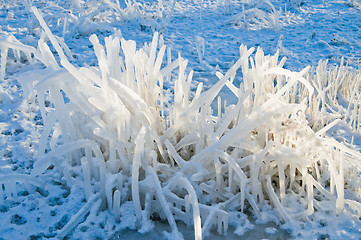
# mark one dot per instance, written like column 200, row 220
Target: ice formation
column 116, row 128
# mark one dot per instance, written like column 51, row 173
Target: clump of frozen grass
column 353, row 3
column 337, row 96
column 19, row 51
column 82, row 18
column 258, row 15
column 115, row 129
column 10, row 185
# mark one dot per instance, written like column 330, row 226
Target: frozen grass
column 258, row 15
column 122, row 135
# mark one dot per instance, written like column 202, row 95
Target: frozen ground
column 208, row 34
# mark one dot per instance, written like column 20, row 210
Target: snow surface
column 208, row 34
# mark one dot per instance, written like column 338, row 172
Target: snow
column 89, row 152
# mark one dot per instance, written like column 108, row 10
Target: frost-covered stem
column 309, row 195
column 162, row 200
column 253, row 203
column 79, row 216
column 44, row 162
column 336, row 177
column 274, row 199
column 207, row 224
column 157, row 140
column 242, row 176
column 86, row 176
column 173, row 153
column 147, row 207
column 22, row 178
column 3, row 60
column 116, row 205
column 219, row 177
column 245, row 127
column 102, row 176
column 323, row 130
column 281, row 176
column 139, row 146
column 182, row 181
column 340, row 201
column 358, row 125
column 67, row 127
column 133, row 101
column 63, row 59
column 103, row 65
column 350, row 103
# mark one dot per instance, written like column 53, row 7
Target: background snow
column 304, row 31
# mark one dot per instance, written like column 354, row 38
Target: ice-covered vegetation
column 137, row 128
